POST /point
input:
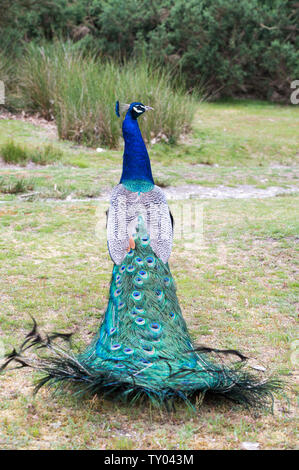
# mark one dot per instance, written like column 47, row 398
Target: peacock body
column 143, row 347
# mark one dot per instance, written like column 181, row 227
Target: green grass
column 237, row 287
column 248, row 133
column 238, row 290
column 58, row 81
column 15, row 185
column 15, row 153
column 263, row 162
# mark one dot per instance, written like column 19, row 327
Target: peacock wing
column 125, row 208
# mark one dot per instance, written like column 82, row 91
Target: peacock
column 142, row 348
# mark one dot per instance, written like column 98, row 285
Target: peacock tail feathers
column 143, row 348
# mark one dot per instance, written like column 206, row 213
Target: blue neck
column 136, row 162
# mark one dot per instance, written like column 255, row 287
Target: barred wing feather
column 125, row 208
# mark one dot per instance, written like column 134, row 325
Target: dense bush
column 232, row 46
column 79, row 92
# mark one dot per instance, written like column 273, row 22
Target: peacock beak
column 148, row 108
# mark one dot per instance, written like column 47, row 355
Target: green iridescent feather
column 143, row 347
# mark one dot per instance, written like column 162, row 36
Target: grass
column 248, row 133
column 239, row 290
column 15, row 185
column 237, row 286
column 58, row 81
column 13, row 153
column 205, row 159
column 16, row 153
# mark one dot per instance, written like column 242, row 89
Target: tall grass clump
column 80, row 91
column 14, row 153
column 15, row 185
column 173, row 107
column 38, row 74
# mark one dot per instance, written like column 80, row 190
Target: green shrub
column 235, row 47
column 13, row 153
column 45, row 156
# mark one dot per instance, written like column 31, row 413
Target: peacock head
column 135, row 109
